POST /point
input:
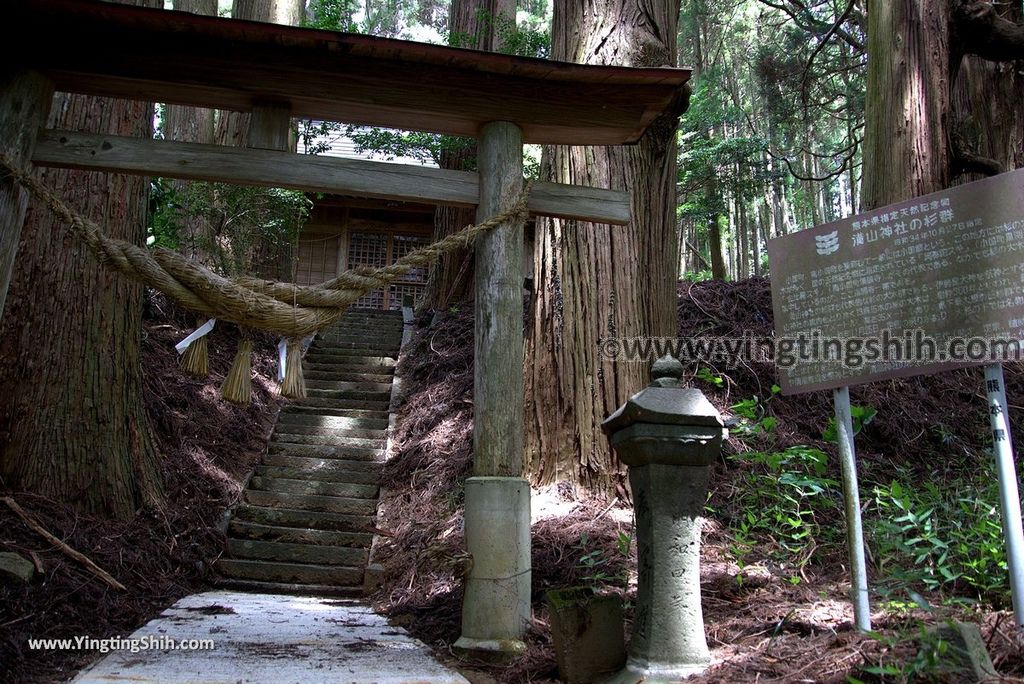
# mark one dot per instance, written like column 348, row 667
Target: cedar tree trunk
column 597, row 281
column 73, row 426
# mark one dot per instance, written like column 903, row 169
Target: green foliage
column 698, row 276
column 593, row 563
column 933, row 655
column 529, row 39
column 948, row 539
column 704, row 373
column 163, row 218
column 237, row 228
column 776, row 119
column 332, row 15
column 782, row 496
column 424, row 147
column 753, row 416
column 862, row 417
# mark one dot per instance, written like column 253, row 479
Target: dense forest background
column 771, row 143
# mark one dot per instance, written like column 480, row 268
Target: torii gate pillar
column 496, row 606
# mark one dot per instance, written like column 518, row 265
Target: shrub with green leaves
column 942, row 540
column 784, row 497
column 237, row 229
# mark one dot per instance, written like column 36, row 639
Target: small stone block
column 589, row 636
column 14, row 566
column 966, row 654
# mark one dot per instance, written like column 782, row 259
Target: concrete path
column 272, row 638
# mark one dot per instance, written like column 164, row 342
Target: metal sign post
column 1009, row 496
column 851, row 502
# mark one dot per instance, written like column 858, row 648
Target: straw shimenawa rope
column 293, row 311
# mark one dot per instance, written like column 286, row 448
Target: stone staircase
column 306, row 519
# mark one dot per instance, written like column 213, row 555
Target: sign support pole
column 851, row 501
column 1009, row 495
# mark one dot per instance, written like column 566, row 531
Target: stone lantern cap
column 666, row 423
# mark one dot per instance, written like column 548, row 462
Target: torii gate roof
column 87, row 46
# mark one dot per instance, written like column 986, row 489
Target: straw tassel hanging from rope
column 293, row 386
column 237, row 387
column 195, row 360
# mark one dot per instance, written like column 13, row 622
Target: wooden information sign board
column 924, row 285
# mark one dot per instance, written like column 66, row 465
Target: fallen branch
column 67, row 550
column 606, row 509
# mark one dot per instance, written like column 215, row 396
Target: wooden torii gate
column 276, row 72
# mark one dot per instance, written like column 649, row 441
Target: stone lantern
column 668, row 436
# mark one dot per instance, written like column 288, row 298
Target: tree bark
column 24, row 102
column 595, row 281
column 719, row 269
column 73, row 425
column 956, row 115
column 987, row 123
column 192, row 124
column 451, row 277
column 906, row 150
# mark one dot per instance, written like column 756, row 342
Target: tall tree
column 596, row 281
column 471, row 24
column 915, row 140
column 273, row 259
column 233, row 127
column 72, row 422
column 196, row 125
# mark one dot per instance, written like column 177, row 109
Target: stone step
column 356, row 325
column 292, row 428
column 323, row 467
column 349, row 490
column 338, row 358
column 304, row 519
column 343, row 404
column 354, row 364
column 338, row 384
column 358, row 311
column 372, row 350
column 284, row 435
column 290, row 573
column 311, row 502
column 389, row 343
column 318, row 475
column 325, row 451
column 255, row 587
column 363, row 335
column 322, row 412
column 297, row 553
column 350, row 394
column 338, row 364
column 347, row 376
column 297, row 535
column 360, row 322
column 315, row 422
column 389, row 334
